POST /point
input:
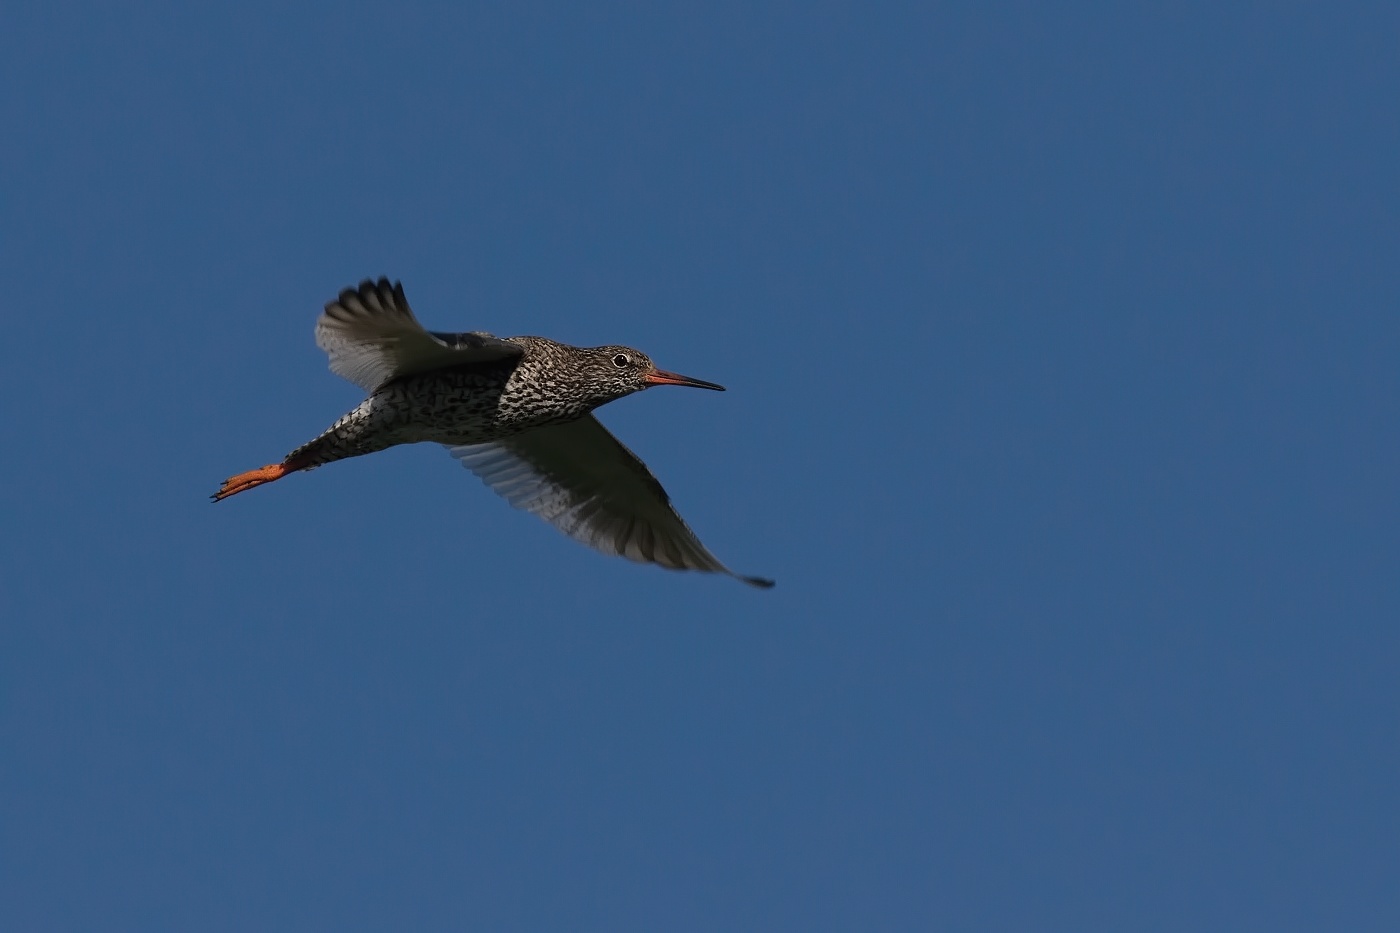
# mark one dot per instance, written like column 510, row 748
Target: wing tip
column 762, row 583
column 381, row 294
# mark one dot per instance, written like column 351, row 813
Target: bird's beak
column 659, row 377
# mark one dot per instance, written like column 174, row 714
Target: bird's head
column 617, row 371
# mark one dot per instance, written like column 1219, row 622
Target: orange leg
column 244, row 481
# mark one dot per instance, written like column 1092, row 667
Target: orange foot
column 243, row 481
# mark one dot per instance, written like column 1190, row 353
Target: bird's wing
column 581, row 480
column 371, row 336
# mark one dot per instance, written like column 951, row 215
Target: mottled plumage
column 514, row 410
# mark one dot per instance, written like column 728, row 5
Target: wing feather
column 372, row 337
column 584, row 482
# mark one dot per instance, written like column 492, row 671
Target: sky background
column 1061, row 343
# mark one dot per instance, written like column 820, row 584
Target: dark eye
column 622, row 359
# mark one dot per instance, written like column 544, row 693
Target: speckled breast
column 472, row 406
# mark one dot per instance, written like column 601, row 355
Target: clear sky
column 1061, row 343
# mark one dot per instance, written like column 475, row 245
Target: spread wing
column 581, row 480
column 371, row 337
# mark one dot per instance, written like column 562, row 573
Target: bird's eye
column 622, row 359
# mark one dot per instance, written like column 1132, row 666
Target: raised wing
column 371, row 337
column 581, row 480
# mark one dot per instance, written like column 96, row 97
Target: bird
column 516, row 411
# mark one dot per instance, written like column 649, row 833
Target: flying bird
column 516, row 411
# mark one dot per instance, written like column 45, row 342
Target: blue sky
column 1061, row 349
